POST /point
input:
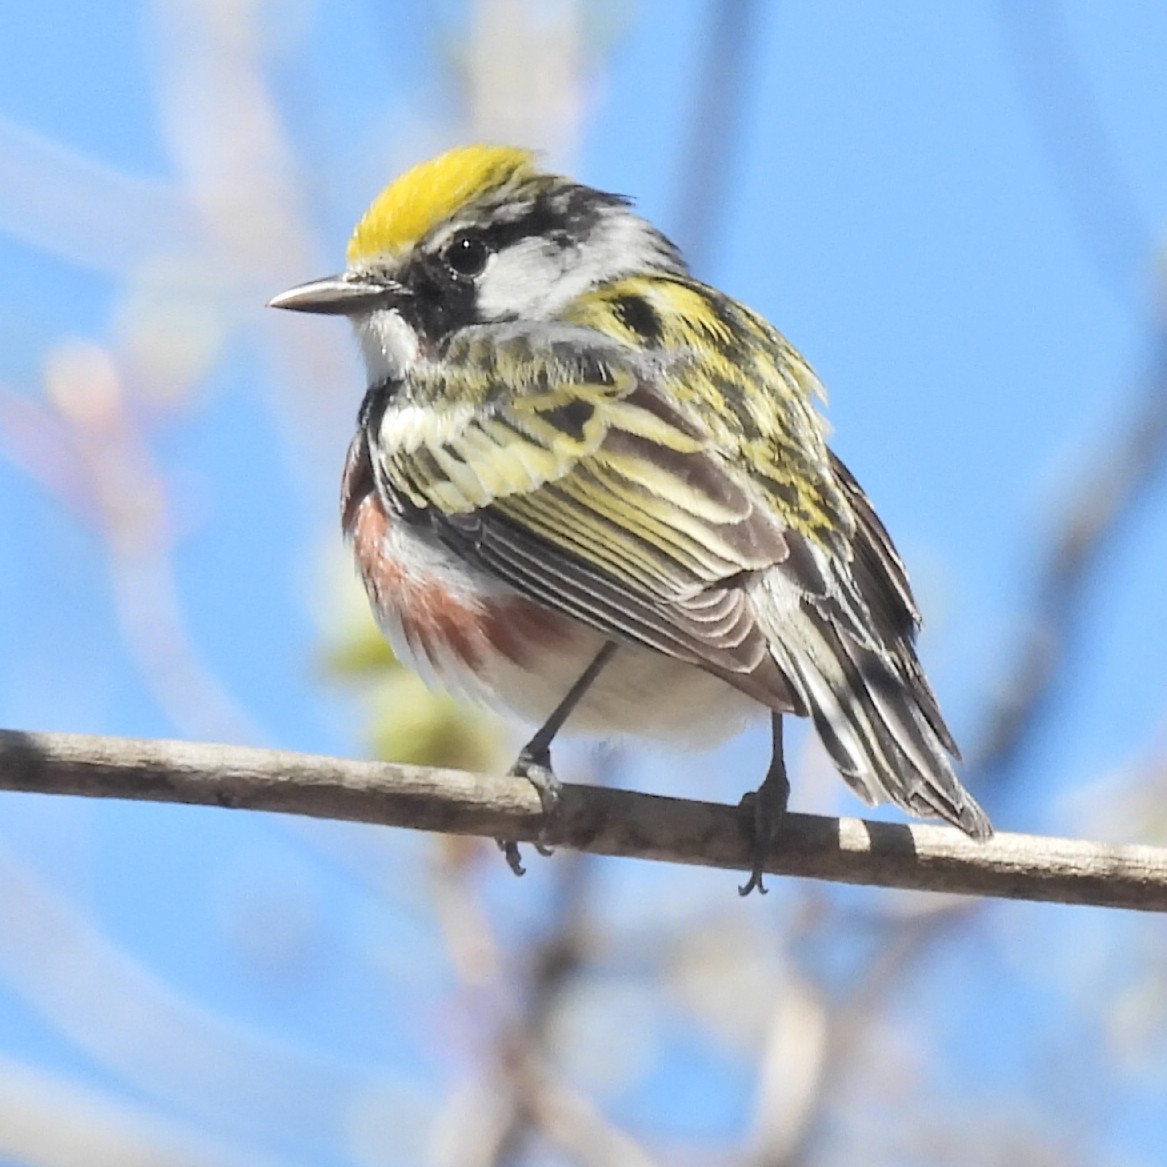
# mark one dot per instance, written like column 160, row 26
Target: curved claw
column 759, row 831
column 510, row 852
column 535, row 766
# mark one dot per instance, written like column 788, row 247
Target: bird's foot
column 534, row 764
column 764, row 809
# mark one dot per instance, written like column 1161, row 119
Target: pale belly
column 464, row 631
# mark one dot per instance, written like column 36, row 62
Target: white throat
column 388, row 343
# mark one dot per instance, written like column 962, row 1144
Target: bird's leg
column 769, row 801
column 534, row 760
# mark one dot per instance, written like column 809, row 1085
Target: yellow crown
column 408, row 208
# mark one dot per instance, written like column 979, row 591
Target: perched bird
column 592, row 491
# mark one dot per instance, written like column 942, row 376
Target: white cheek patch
column 520, row 280
column 535, row 278
column 389, row 345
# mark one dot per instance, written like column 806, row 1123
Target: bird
column 595, row 493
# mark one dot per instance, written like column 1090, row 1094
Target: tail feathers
column 882, row 731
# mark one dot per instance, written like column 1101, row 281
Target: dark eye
column 466, row 256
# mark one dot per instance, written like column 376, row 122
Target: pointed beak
column 343, row 295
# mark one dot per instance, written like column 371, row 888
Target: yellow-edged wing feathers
column 553, row 459
column 749, row 390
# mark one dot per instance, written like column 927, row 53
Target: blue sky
column 912, row 195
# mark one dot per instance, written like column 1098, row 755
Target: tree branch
column 602, row 821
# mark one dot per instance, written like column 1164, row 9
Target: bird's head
column 474, row 236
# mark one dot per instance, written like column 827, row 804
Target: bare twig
column 602, row 821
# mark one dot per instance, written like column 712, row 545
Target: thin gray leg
column 770, row 801
column 534, row 760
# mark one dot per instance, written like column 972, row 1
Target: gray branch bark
column 602, row 821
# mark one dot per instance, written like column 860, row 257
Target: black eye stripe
column 536, row 222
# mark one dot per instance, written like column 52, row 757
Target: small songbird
column 592, row 491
